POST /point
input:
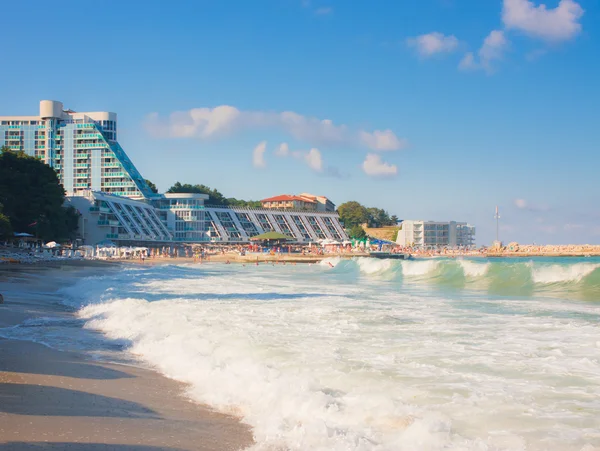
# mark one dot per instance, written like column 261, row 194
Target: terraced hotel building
column 81, row 147
column 114, row 200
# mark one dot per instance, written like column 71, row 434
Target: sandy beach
column 56, row 400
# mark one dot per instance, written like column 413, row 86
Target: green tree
column 378, row 217
column 214, row 196
column 394, row 220
column 233, row 202
column 357, row 232
column 152, row 186
column 33, row 197
column 352, row 213
column 5, row 228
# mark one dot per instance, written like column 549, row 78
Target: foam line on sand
column 57, row 400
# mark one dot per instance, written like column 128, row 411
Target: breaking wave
column 507, row 276
column 361, row 354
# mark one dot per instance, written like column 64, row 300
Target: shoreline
column 60, row 399
column 253, row 259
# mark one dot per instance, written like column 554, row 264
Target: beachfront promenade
column 242, row 254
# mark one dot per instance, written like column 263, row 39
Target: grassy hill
column 383, row 233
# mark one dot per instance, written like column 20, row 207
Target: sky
column 430, row 109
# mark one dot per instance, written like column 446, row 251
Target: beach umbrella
column 51, row 245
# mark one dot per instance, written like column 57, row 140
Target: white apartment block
column 432, row 234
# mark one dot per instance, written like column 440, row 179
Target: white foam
column 419, row 267
column 314, row 365
column 562, row 273
column 473, row 269
column 330, row 261
column 373, row 265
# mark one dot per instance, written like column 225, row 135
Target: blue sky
column 431, row 109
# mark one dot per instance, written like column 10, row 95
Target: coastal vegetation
column 357, row 232
column 215, row 197
column 353, row 213
column 5, row 228
column 32, row 199
column 152, row 186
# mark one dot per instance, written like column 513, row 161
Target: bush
column 357, row 232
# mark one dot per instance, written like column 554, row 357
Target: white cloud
column 283, row 150
column 312, row 157
column 375, row 167
column 556, row 24
column 382, row 140
column 430, row 44
column 492, row 49
column 314, row 160
column 468, row 62
column 323, row 11
column 225, row 120
column 520, row 203
column 258, row 155
column 523, row 204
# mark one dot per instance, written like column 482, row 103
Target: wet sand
column 56, row 400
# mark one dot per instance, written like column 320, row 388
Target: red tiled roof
column 287, row 197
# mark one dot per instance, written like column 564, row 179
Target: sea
column 361, row 354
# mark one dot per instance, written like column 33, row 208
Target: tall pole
column 497, row 217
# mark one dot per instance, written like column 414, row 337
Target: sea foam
column 318, row 359
column 562, row 273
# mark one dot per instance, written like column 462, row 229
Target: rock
column 1, row 299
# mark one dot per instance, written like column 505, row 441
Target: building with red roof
column 303, row 201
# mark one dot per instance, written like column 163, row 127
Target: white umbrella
column 51, row 245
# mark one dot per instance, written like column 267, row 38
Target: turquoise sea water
column 366, row 354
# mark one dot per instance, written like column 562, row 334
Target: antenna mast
column 497, row 218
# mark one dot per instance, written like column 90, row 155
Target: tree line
column 214, row 196
column 32, row 198
column 353, row 215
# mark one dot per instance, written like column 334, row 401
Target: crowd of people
column 204, row 252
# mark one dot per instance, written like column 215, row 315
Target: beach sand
column 56, row 400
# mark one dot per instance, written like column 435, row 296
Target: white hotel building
column 432, row 234
column 115, row 202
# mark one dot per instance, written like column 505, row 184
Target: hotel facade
column 115, row 202
column 432, row 234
